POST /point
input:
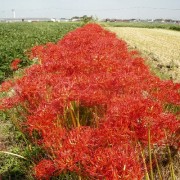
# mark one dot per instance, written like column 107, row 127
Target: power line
column 109, row 9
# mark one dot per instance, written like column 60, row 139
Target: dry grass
column 161, row 47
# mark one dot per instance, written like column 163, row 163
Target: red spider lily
column 6, row 86
column 90, row 102
column 15, row 63
column 44, row 169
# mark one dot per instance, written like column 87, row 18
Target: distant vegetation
column 175, row 27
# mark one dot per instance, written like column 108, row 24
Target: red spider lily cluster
column 90, row 103
column 15, row 63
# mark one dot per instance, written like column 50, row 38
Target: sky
column 121, row 9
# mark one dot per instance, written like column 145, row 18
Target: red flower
column 6, row 85
column 44, row 169
column 15, row 63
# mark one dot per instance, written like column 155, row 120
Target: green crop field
column 17, row 38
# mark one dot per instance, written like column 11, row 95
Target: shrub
column 93, row 106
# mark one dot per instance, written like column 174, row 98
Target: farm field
column 17, row 38
column 160, row 46
column 56, row 117
column 149, row 25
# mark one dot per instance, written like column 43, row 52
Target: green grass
column 17, row 38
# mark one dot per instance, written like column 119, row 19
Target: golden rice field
column 161, row 48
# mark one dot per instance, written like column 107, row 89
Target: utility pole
column 14, row 13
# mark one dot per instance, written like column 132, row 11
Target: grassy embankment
column 149, row 25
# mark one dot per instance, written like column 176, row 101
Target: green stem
column 144, row 163
column 150, row 155
column 157, row 165
column 171, row 164
column 170, row 160
column 79, row 177
column 13, row 154
column 75, row 117
column 16, row 124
